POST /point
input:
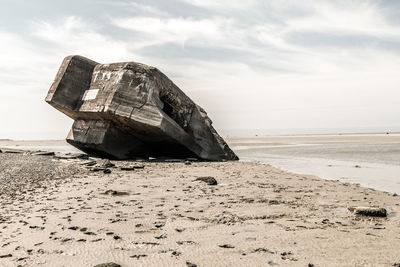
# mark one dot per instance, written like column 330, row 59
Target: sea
column 371, row 160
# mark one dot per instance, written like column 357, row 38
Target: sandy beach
column 57, row 211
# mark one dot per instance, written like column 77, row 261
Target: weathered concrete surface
column 131, row 110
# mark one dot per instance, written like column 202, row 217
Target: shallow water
column 370, row 160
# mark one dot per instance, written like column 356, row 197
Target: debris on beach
column 131, row 167
column 43, row 153
column 111, row 192
column 226, row 246
column 369, row 211
column 13, row 151
column 189, row 264
column 108, row 264
column 89, row 163
column 5, row 256
column 106, row 163
column 208, row 179
column 70, row 156
column 130, row 110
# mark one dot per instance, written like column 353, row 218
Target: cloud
column 73, row 35
column 251, row 64
column 227, row 4
column 350, row 17
column 174, row 30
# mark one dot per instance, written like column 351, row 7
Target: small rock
column 115, row 193
column 138, row 256
column 89, row 233
column 97, row 169
column 176, row 253
column 5, row 256
column 189, row 264
column 160, row 237
column 325, row 221
column 208, row 179
column 109, row 264
column 107, row 171
column 127, row 168
column 263, row 250
column 226, row 246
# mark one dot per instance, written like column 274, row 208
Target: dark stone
column 131, row 110
column 208, row 179
column 115, row 193
column 189, row 264
column 132, row 168
column 226, row 246
column 138, row 256
column 109, row 264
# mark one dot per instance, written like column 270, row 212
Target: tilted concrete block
column 131, row 110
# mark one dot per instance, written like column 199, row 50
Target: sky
column 254, row 64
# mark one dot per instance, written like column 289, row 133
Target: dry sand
column 53, row 212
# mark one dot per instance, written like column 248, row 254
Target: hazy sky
column 253, row 64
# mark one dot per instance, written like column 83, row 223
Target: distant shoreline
column 241, row 136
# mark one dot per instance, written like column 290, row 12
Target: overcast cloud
column 251, row 64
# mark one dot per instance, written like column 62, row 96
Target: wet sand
column 54, row 212
column 373, row 160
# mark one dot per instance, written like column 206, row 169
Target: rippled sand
column 256, row 215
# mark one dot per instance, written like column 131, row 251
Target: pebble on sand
column 109, row 264
column 208, row 179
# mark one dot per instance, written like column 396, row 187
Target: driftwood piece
column 369, row 211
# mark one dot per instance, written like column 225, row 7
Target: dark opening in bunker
column 171, row 108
